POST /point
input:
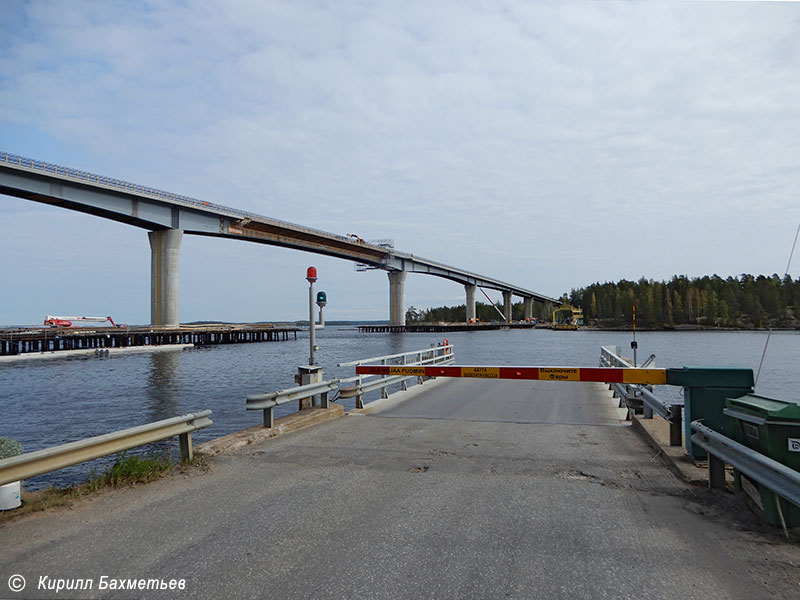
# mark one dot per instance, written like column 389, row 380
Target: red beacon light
column 311, row 274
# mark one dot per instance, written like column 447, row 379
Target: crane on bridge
column 54, row 321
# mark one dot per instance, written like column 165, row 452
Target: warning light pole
column 634, row 343
column 312, row 372
column 311, row 277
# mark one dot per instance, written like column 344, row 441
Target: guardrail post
column 323, row 399
column 675, row 425
column 403, row 385
column 716, row 473
column 269, row 417
column 185, row 442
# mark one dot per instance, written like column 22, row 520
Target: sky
column 547, row 144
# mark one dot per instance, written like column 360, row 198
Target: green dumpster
column 770, row 427
column 705, row 392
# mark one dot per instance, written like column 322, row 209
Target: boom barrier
column 705, row 388
column 598, row 374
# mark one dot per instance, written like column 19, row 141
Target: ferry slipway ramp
column 461, row 489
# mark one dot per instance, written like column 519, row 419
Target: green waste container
column 770, row 427
column 705, row 392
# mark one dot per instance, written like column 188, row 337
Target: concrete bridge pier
column 507, row 305
column 470, row 301
column 397, row 297
column 165, row 245
column 528, row 304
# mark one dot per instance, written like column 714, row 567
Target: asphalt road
column 475, row 489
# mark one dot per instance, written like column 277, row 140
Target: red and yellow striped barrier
column 599, row 374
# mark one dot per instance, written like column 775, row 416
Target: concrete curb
column 259, row 433
column 305, row 418
column 655, row 432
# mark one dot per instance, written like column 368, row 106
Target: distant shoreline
column 681, row 328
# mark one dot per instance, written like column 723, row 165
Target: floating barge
column 443, row 327
column 53, row 339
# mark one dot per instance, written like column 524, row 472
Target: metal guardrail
column 31, row 464
column 435, row 355
column 777, row 477
column 609, row 357
column 383, row 382
column 306, row 394
column 432, row 350
column 632, row 394
column 267, row 402
column 654, row 403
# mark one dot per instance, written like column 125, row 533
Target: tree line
column 745, row 301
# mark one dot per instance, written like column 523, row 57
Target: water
column 49, row 402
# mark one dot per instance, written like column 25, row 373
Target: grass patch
column 132, row 469
column 126, row 470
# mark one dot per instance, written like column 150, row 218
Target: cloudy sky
column 550, row 145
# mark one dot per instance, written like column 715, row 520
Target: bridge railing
column 636, row 395
column 436, row 355
column 30, row 464
column 15, row 160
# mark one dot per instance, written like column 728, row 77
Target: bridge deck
column 472, row 489
column 60, row 341
column 566, row 403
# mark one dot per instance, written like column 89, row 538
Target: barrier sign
column 598, row 374
column 485, row 372
column 407, row 371
column 560, row 374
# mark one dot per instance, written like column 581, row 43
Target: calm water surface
column 49, row 402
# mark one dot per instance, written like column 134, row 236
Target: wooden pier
column 50, row 339
column 443, row 327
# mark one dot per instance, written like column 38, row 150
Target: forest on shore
column 742, row 302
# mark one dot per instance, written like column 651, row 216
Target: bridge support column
column 528, row 309
column 507, row 308
column 165, row 246
column 397, row 297
column 470, row 301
